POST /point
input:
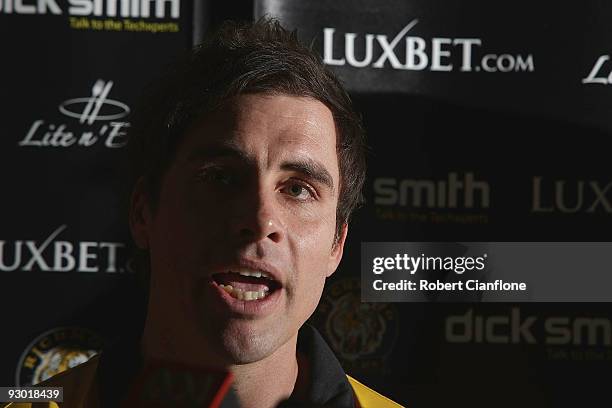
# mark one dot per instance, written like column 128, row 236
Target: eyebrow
column 310, row 168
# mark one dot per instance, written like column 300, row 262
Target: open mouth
column 246, row 285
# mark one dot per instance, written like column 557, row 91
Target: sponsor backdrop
column 71, row 74
column 487, row 122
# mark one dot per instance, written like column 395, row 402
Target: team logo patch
column 361, row 334
column 55, row 351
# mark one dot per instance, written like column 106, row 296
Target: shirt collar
column 321, row 379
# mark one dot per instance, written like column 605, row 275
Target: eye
column 299, row 191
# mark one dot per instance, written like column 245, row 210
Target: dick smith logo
column 54, row 255
column 96, row 8
column 97, row 117
column 514, row 328
column 413, row 53
column 455, row 191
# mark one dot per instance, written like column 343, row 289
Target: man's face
column 253, row 188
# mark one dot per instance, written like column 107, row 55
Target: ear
column 140, row 215
column 337, row 251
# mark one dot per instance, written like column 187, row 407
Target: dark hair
column 260, row 57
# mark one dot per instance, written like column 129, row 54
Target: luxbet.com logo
column 96, row 8
column 54, row 255
column 413, row 53
column 452, row 192
column 96, row 116
column 515, row 328
column 570, row 197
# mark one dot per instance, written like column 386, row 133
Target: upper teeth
column 257, row 274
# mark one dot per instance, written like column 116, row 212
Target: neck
column 267, row 382
column 262, row 384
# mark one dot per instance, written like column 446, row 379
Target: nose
column 257, row 218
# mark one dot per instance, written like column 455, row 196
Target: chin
column 244, row 345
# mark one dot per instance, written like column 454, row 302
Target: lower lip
column 259, row 307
